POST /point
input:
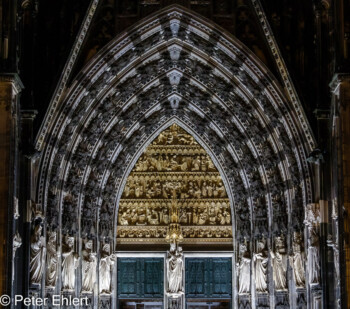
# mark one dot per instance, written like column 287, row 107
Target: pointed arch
column 175, row 67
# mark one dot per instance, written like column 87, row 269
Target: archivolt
column 175, row 67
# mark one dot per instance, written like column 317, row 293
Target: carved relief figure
column 70, row 261
column 260, row 260
column 51, row 260
column 89, row 267
column 183, row 168
column 279, row 264
column 243, row 269
column 37, row 255
column 313, row 257
column 106, row 264
column 297, row 261
column 174, row 269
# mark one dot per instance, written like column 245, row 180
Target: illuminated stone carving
column 174, row 165
column 106, row 264
column 279, row 264
column 51, row 260
column 70, row 261
column 297, row 261
column 244, row 269
column 174, row 269
column 261, row 259
column 37, row 255
column 312, row 221
column 89, row 268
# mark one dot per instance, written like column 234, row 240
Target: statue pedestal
column 175, row 301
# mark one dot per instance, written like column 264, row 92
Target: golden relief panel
column 174, row 165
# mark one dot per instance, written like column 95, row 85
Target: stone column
column 340, row 158
column 10, row 87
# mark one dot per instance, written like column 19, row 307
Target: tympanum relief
column 174, row 162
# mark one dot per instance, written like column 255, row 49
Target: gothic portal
column 174, row 171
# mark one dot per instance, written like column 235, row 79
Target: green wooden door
column 208, row 278
column 140, row 278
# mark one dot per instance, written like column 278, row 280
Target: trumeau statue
column 37, row 255
column 243, row 269
column 174, row 270
column 260, row 259
column 106, row 264
column 51, row 260
column 70, row 261
column 89, row 268
column 297, row 261
column 279, row 264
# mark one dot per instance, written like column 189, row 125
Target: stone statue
column 279, row 264
column 243, row 269
column 70, row 261
column 89, row 268
column 297, row 261
column 174, row 269
column 313, row 257
column 106, row 264
column 17, row 243
column 51, row 260
column 37, row 255
column 260, row 259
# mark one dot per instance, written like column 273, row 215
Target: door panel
column 208, row 278
column 140, row 278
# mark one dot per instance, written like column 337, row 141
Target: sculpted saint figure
column 279, row 265
column 174, row 269
column 261, row 259
column 297, row 261
column 70, row 261
column 37, row 255
column 244, row 270
column 313, row 257
column 106, row 264
column 89, row 267
column 51, row 260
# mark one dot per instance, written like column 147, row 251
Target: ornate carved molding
column 282, row 68
column 61, row 87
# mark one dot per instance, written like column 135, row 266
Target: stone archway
column 175, row 66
